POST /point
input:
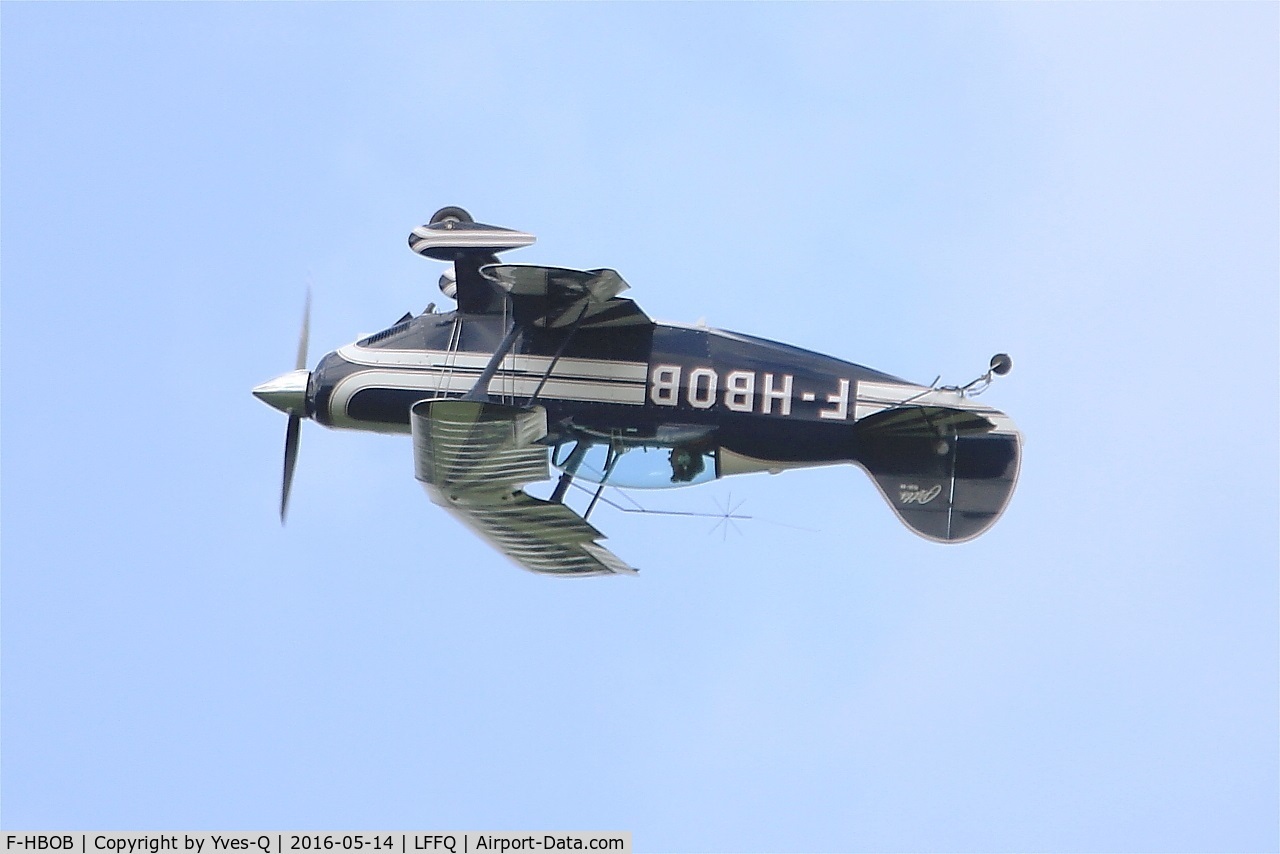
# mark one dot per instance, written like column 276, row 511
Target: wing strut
column 480, row 391
column 610, row 460
column 559, row 352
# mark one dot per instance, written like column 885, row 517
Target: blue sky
column 1091, row 188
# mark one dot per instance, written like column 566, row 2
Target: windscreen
column 639, row 467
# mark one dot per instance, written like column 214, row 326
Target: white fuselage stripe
column 441, row 373
column 601, row 369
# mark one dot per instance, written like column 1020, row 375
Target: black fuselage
column 770, row 404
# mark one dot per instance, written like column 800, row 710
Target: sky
column 1091, row 188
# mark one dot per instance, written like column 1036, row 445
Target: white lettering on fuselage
column 910, row 493
column 664, row 385
column 742, row 391
column 770, row 394
column 702, row 388
column 841, row 401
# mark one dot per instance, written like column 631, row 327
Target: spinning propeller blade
column 305, row 335
column 291, row 436
column 288, row 393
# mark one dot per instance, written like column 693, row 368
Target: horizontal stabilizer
column 947, row 473
column 924, row 421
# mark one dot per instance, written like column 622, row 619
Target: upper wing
column 560, row 298
column 473, row 457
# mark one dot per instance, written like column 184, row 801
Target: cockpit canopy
column 637, row 466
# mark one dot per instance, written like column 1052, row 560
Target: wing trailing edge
column 563, row 298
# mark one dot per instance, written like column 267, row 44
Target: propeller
column 288, row 393
column 291, row 435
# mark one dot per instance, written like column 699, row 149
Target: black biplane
column 545, row 366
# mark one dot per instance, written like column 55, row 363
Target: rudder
column 947, row 473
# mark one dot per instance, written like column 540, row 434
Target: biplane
column 541, row 369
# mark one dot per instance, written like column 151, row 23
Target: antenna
column 1001, row 364
column 727, row 514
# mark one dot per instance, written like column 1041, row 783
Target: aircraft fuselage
column 770, row 405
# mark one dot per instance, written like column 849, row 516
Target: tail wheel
column 450, row 213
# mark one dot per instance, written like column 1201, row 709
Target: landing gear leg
column 611, row 459
column 570, row 469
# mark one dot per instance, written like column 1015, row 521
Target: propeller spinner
column 288, row 393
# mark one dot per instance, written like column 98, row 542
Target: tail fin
column 947, row 473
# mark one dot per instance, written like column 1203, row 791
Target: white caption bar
column 296, row 842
